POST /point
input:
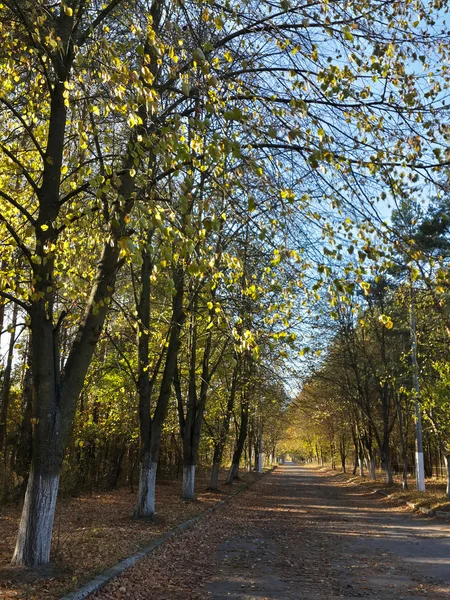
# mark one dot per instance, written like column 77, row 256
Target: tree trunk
column 385, row 455
column 22, row 459
column 387, row 467
column 343, row 465
column 403, row 445
column 188, row 484
column 361, row 459
column 232, row 472
column 219, row 446
column 118, row 456
column 192, row 425
column 6, row 383
column 256, row 454
column 356, row 447
column 145, row 506
column 234, row 469
column 36, row 525
column 151, row 428
column 372, row 470
column 55, row 398
column 2, row 304
column 214, row 478
column 146, row 489
column 333, row 462
column 187, row 430
column 447, row 461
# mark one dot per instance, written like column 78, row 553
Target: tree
column 97, row 103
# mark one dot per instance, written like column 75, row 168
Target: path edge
column 100, row 581
column 430, row 512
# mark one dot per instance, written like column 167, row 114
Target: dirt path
column 298, row 533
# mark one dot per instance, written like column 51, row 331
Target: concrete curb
column 442, row 514
column 429, row 512
column 99, row 582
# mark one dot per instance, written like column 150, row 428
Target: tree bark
column 194, row 413
column 196, row 404
column 36, row 525
column 219, row 446
column 147, row 468
column 22, row 458
column 188, row 485
column 403, row 446
column 214, row 478
column 151, row 428
column 146, row 488
column 55, row 397
column 6, row 383
column 385, row 461
column 234, row 469
column 447, row 461
column 342, row 451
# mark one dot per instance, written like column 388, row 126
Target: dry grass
column 433, row 498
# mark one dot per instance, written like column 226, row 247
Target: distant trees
column 368, row 372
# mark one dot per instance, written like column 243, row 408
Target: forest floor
column 301, row 533
column 95, row 531
column 433, row 498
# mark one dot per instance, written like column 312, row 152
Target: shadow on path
column 302, row 534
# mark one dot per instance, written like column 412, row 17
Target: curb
column 429, row 512
column 99, row 582
column 442, row 514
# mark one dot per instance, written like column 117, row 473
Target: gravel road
column 298, row 533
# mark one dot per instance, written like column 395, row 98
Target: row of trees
column 103, row 449
column 167, row 172
column 386, row 368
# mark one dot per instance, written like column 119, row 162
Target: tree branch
column 25, row 172
column 18, row 206
column 103, row 14
column 24, row 125
column 15, row 300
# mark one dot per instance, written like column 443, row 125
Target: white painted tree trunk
column 420, row 472
column 388, row 471
column 259, row 465
column 146, row 490
column 234, row 469
column 372, row 468
column 36, row 524
column 214, row 481
column 361, row 466
column 447, row 460
column 187, row 490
